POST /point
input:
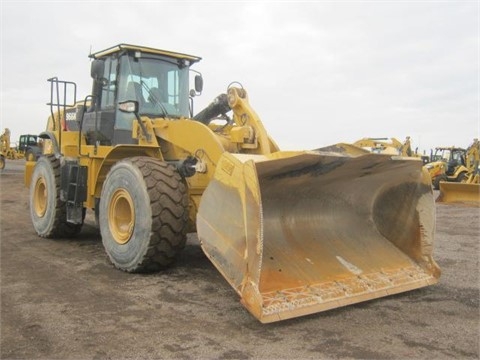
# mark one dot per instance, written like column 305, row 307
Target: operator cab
column 27, row 140
column 157, row 80
column 457, row 158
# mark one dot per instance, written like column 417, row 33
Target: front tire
column 143, row 214
column 47, row 210
column 436, row 181
column 29, row 155
column 462, row 177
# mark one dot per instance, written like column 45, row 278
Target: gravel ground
column 62, row 299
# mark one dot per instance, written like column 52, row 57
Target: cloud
column 317, row 72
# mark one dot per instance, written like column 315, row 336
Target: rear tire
column 47, row 210
column 2, row 163
column 143, row 214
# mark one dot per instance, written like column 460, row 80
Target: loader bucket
column 465, row 193
column 300, row 233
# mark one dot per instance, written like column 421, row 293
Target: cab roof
column 143, row 49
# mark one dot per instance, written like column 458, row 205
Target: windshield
column 457, row 155
column 449, row 155
column 158, row 84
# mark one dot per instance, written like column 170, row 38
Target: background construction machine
column 468, row 189
column 390, row 146
column 293, row 232
column 5, row 148
column 29, row 147
column 448, row 164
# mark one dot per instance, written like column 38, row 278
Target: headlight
column 128, row 106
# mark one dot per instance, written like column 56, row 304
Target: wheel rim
column 40, row 197
column 121, row 216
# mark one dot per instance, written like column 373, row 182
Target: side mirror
column 198, row 83
column 97, row 70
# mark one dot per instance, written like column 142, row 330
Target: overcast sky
column 317, row 72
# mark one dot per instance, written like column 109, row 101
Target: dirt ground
column 62, row 299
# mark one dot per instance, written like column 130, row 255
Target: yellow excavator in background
column 385, row 146
column 293, row 232
column 468, row 189
column 390, row 146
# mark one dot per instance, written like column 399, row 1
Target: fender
column 55, row 150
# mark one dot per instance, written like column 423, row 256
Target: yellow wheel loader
column 467, row 190
column 293, row 232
